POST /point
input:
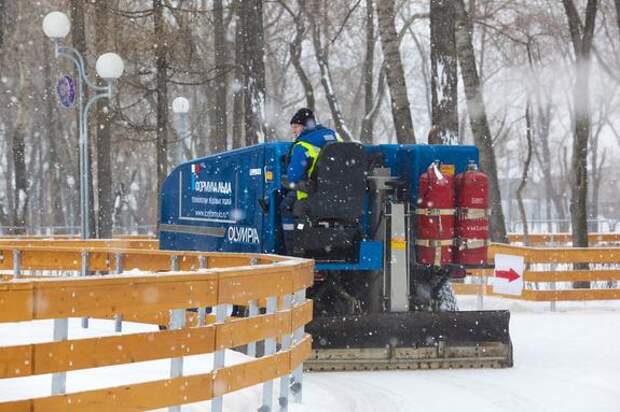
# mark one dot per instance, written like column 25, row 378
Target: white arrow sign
column 508, row 278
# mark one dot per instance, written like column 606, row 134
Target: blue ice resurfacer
column 374, row 305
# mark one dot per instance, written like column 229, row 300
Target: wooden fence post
column 59, row 379
column 219, row 356
column 202, row 311
column 252, row 311
column 298, row 335
column 270, row 349
column 84, row 273
column 17, row 263
column 118, row 318
column 177, row 321
column 285, row 380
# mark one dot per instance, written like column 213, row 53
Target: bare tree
column 478, row 118
column 321, row 52
column 161, row 80
column 401, row 114
column 220, row 126
column 581, row 36
column 2, row 19
column 57, row 217
column 617, row 2
column 238, row 92
column 296, row 48
column 444, row 80
column 598, row 161
column 366, row 134
column 254, row 70
column 542, row 151
column 526, row 168
column 103, row 116
column 21, row 193
column 78, row 37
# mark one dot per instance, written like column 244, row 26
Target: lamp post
column 56, row 26
column 180, row 107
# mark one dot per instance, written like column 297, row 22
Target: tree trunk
column 238, row 92
column 366, row 133
column 20, row 202
column 254, row 71
column 444, row 80
column 295, row 48
column 218, row 136
column 597, row 177
column 321, row 52
column 582, row 45
column 550, row 189
column 478, row 119
column 618, row 15
column 2, row 24
column 103, row 116
column 78, row 37
column 553, row 195
column 161, row 68
column 542, row 125
column 54, row 168
column 401, row 113
column 526, row 167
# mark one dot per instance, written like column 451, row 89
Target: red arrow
column 509, row 275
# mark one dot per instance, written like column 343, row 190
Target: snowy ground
column 564, row 361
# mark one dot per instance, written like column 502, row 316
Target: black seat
column 338, row 184
column 328, row 221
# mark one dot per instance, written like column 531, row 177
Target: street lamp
column 56, row 26
column 180, row 107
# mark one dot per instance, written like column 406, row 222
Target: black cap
column 302, row 116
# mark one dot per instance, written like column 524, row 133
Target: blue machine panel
column 213, row 204
column 229, row 202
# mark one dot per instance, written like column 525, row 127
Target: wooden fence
column 182, row 281
column 547, row 268
column 563, row 238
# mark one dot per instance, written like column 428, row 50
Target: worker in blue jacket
column 310, row 138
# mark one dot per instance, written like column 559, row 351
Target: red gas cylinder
column 435, row 217
column 472, row 224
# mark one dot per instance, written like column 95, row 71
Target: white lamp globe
column 180, row 105
column 56, row 25
column 110, row 66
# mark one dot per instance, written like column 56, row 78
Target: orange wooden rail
column 101, row 258
column 201, row 280
column 546, row 261
column 545, row 238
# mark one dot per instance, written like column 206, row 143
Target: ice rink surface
column 567, row 360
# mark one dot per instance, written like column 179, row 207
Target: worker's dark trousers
column 288, row 221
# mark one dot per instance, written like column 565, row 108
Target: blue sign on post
column 65, row 90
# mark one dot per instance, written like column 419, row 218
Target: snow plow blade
column 411, row 340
